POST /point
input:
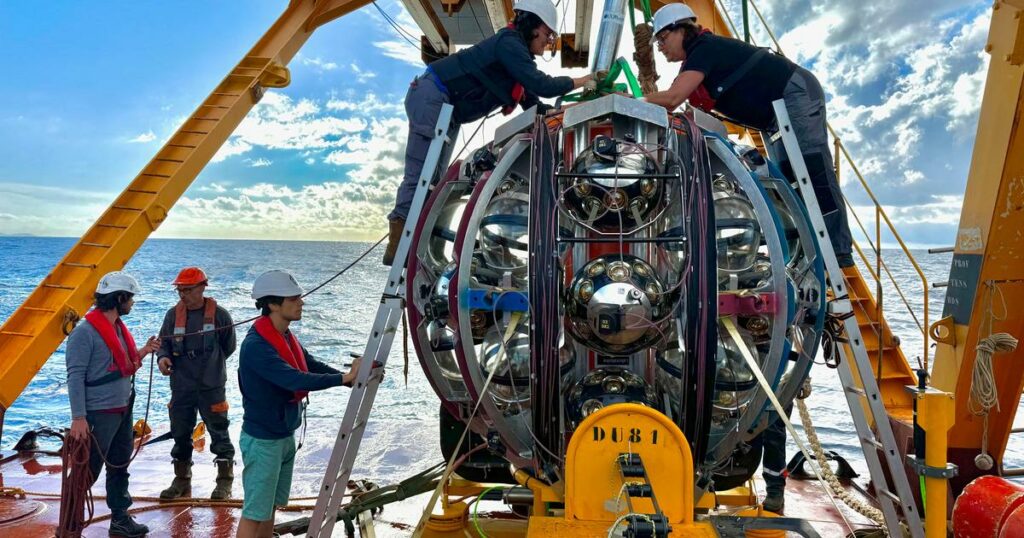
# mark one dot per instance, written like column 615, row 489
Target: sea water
column 336, row 321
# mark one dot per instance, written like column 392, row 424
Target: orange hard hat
column 190, row 276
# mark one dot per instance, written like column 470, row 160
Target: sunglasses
column 664, row 33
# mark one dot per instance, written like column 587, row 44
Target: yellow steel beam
column 987, row 276
column 34, row 330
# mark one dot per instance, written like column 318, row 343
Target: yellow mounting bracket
column 275, row 75
column 944, row 331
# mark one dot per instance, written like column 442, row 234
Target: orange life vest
column 180, row 317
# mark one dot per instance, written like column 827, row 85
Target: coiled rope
column 984, row 394
column 75, row 488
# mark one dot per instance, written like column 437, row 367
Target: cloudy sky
column 90, row 94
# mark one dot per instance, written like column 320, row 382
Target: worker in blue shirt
column 740, row 82
column 498, row 72
column 275, row 374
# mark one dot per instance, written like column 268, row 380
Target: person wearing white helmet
column 740, row 81
column 275, row 375
column 101, row 361
column 497, row 73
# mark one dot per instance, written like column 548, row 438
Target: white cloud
column 279, row 122
column 259, row 163
column 362, row 75
column 370, row 104
column 319, row 64
column 143, row 138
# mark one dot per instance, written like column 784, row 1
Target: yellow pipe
column 935, row 416
column 541, row 492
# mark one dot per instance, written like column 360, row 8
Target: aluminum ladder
column 378, row 346
column 894, row 489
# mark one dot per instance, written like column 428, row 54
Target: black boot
column 182, row 482
column 775, row 501
column 125, row 526
column 225, row 477
column 395, row 228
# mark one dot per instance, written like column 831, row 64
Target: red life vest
column 518, row 91
column 125, row 361
column 181, row 315
column 290, row 352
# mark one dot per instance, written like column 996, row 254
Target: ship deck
column 39, row 475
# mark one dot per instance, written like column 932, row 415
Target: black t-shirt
column 749, row 100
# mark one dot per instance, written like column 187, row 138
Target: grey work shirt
column 88, row 358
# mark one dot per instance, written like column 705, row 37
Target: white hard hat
column 670, row 14
column 545, row 9
column 118, row 281
column 275, row 283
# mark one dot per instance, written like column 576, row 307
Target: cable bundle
column 75, row 487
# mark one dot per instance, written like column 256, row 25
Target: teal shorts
column 266, row 475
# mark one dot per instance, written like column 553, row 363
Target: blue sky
column 92, row 92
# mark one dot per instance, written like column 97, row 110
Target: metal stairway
column 860, row 387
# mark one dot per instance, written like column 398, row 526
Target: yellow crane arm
column 33, row 332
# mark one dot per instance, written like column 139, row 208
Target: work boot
column 225, row 476
column 127, row 527
column 774, row 501
column 182, row 482
column 395, row 228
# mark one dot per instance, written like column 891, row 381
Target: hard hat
column 275, row 283
column 670, row 14
column 118, row 281
column 190, row 276
column 545, row 9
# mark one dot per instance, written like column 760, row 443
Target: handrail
column 880, row 215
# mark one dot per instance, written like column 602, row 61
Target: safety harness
column 125, row 362
column 705, row 98
column 181, row 316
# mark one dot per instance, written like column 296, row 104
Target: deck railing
column 880, row 215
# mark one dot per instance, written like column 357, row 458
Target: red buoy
column 1013, row 527
column 985, row 507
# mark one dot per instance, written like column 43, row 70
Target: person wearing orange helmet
column 197, row 337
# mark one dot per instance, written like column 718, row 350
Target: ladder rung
column 58, row 287
column 150, row 174
column 214, row 106
column 117, row 226
column 140, row 191
column 222, row 94
column 126, row 208
column 97, row 245
column 15, row 333
column 76, row 264
column 205, row 119
column 873, row 442
column 858, row 391
column 890, row 495
column 163, row 160
column 196, row 132
column 37, row 309
column 186, row 146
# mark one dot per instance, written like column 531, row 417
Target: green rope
column 608, row 84
column 632, row 18
column 647, row 10
column 476, row 504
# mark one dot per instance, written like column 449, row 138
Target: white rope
column 984, row 394
column 857, row 504
column 767, row 387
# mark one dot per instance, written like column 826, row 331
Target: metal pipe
column 608, row 35
column 940, row 250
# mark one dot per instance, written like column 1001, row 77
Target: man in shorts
column 275, row 374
